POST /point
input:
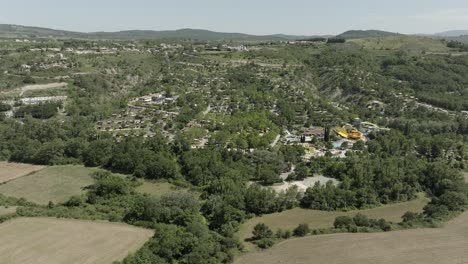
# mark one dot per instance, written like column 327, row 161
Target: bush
column 261, row 231
column 283, row 234
column 361, row 220
column 29, row 80
column 384, row 225
column 343, row 222
column 410, row 217
column 74, row 201
column 265, row 243
column 4, row 107
column 301, row 230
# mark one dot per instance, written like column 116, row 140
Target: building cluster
column 154, row 99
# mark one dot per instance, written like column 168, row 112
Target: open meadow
column 322, row 219
column 56, row 184
column 57, row 241
column 419, row 246
column 157, row 188
column 10, row 171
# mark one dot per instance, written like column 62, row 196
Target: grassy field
column 55, row 184
column 7, row 210
column 418, row 246
column 321, row 219
column 10, row 171
column 57, row 241
column 465, row 174
column 158, row 188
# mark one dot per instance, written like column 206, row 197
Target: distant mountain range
column 453, row 33
column 17, row 31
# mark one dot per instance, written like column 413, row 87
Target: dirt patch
column 57, row 241
column 7, row 210
column 419, row 246
column 10, row 171
column 465, row 174
column 35, row 87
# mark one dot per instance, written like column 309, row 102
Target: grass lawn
column 321, row 219
column 56, row 184
column 158, row 188
column 56, row 241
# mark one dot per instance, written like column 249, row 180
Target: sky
column 260, row 17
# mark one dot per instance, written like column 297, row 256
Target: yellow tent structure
column 342, row 132
column 352, row 133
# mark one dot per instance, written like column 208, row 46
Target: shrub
column 384, row 225
column 74, row 201
column 265, row 243
column 283, row 234
column 361, row 220
column 410, row 217
column 261, row 231
column 301, row 230
column 343, row 222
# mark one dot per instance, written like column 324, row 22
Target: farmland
column 47, row 240
column 322, row 219
column 442, row 246
column 54, row 184
column 11, row 171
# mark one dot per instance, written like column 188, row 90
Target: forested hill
column 355, row 34
column 16, row 31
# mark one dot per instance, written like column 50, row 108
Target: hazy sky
column 306, row 17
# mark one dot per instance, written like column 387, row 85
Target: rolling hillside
column 16, row 31
column 357, row 34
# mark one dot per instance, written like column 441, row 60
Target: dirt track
column 41, row 87
column 448, row 245
column 33, row 87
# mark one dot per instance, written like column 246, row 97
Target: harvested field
column 10, row 171
column 57, row 241
column 54, row 184
column 446, row 245
column 321, row 219
column 7, row 210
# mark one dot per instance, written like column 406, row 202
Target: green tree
column 261, row 231
column 301, row 230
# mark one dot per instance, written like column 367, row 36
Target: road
column 276, row 141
